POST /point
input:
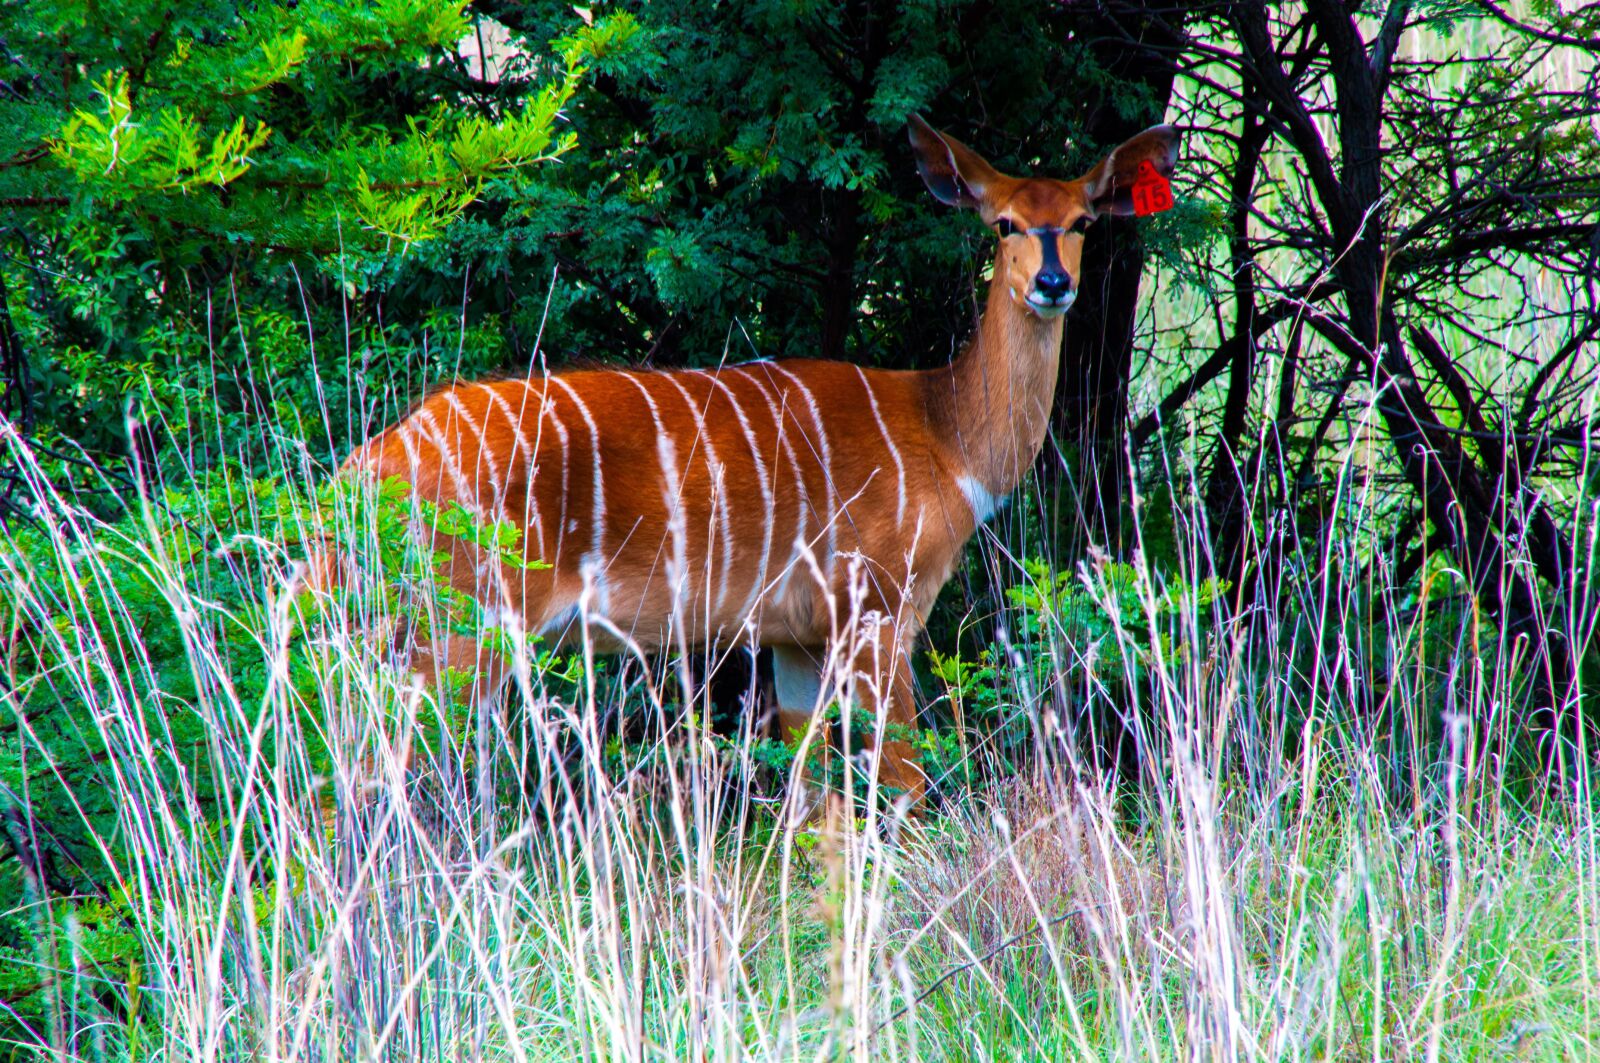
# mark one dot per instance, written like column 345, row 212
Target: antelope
column 683, row 508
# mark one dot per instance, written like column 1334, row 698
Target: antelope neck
column 995, row 397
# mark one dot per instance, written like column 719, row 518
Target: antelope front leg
column 365, row 772
column 797, row 685
column 797, row 682
column 883, row 691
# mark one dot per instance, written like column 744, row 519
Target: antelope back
column 711, row 499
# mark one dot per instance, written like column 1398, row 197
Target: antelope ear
column 1109, row 186
column 953, row 172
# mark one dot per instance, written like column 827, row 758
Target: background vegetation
column 1259, row 721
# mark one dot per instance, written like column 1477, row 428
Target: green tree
column 742, row 171
column 195, row 203
column 190, row 185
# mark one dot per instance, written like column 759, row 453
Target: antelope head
column 1040, row 220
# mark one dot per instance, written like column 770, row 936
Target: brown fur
column 683, row 530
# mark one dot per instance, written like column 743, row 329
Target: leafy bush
column 173, row 639
column 195, row 194
column 1074, row 638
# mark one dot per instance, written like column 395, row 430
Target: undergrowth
column 235, row 829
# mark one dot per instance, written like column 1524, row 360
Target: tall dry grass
column 1336, row 844
column 1295, row 872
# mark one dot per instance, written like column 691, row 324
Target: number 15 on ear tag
column 1152, row 193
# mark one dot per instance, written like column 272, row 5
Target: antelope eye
column 1005, row 226
column 1081, row 225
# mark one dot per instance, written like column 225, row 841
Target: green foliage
column 229, row 103
column 742, row 182
column 1073, row 635
column 160, row 155
column 177, row 173
column 178, row 593
column 74, row 716
column 1109, row 617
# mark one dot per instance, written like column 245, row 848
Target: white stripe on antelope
column 856, row 449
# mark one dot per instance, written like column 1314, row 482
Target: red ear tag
column 1152, row 193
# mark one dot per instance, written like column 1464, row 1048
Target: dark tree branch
column 1550, row 36
column 1575, row 343
column 16, row 380
column 1261, row 323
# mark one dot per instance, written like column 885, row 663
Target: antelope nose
column 1053, row 284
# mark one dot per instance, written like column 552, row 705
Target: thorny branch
column 1400, row 198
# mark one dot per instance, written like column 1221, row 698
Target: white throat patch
column 984, row 504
